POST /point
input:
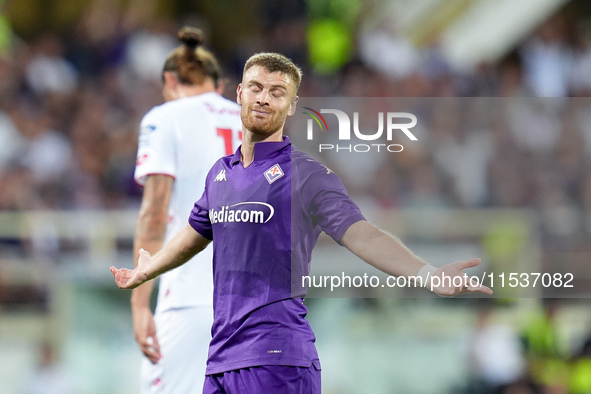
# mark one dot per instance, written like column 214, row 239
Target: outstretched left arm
column 388, row 254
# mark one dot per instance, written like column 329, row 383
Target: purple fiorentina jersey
column 265, row 220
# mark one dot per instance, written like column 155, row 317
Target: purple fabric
column 269, row 379
column 265, row 220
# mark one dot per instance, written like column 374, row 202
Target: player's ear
column 170, row 80
column 292, row 107
column 239, row 94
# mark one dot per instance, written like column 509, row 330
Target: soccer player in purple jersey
column 265, row 206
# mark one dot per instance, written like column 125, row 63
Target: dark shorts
column 268, row 379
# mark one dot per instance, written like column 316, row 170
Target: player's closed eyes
column 277, row 93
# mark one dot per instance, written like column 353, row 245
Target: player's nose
column 263, row 98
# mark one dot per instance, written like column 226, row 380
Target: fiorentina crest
column 274, row 173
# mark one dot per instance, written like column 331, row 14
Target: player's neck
column 194, row 90
column 249, row 139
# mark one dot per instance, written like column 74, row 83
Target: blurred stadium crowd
column 72, row 96
column 71, row 99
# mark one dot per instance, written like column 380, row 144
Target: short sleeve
column 156, row 146
column 328, row 203
column 199, row 217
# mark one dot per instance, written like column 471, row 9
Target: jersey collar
column 263, row 150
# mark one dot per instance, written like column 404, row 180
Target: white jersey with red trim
column 183, row 139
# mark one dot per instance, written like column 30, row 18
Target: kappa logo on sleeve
column 221, row 176
column 274, row 173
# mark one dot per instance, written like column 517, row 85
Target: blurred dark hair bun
column 191, row 37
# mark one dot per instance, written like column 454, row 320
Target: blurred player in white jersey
column 179, row 142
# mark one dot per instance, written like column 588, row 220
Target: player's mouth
column 260, row 112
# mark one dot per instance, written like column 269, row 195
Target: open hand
column 130, row 279
column 450, row 280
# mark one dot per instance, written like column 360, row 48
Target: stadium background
column 77, row 76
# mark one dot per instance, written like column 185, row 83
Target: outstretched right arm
column 178, row 251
